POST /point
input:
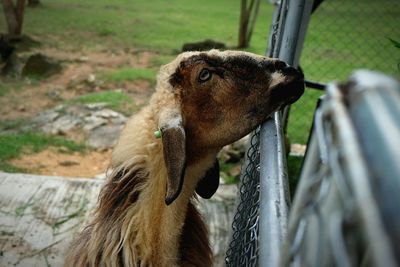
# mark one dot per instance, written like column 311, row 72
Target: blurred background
column 72, row 72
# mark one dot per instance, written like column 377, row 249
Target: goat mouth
column 288, row 93
column 298, row 88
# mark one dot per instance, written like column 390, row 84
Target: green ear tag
column 157, row 134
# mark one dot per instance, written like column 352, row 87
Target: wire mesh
column 243, row 249
column 342, row 36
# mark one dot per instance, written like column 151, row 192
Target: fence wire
column 342, row 36
column 243, row 249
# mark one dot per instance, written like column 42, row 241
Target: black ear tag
column 208, row 185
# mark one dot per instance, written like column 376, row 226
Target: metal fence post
column 274, row 191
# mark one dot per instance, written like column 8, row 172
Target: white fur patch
column 170, row 118
column 173, row 122
column 277, row 78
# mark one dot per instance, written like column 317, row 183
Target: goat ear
column 208, row 185
column 174, row 149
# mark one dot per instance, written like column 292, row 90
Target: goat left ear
column 174, row 149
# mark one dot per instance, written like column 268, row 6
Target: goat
column 203, row 101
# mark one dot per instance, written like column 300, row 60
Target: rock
column 93, row 122
column 12, row 66
column 120, row 120
column 77, row 111
column 50, row 195
column 203, row 46
column 46, row 117
column 106, row 113
column 104, row 137
column 21, row 108
column 39, row 65
column 96, row 106
column 55, row 94
column 83, row 59
column 218, row 212
column 60, row 108
column 10, row 46
column 63, row 125
column 91, row 78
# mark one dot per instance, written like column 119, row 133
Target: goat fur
column 132, row 224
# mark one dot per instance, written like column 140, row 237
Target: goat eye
column 204, row 75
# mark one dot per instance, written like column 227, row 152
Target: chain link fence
column 342, row 36
column 243, row 250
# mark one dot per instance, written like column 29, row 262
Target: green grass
column 131, row 74
column 301, row 116
column 294, row 167
column 157, row 25
column 3, row 89
column 159, row 60
column 343, row 35
column 346, row 35
column 116, row 100
column 9, row 84
column 13, row 145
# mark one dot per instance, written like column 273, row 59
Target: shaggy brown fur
column 204, row 100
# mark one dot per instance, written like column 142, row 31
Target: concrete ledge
column 39, row 216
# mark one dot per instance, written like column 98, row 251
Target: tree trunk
column 248, row 16
column 253, row 21
column 14, row 16
column 243, row 24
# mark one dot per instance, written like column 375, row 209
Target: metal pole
column 274, row 192
column 297, row 18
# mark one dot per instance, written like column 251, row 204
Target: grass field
column 12, row 145
column 343, row 35
column 157, row 25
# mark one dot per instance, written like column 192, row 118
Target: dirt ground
column 52, row 162
column 78, row 77
column 79, row 68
